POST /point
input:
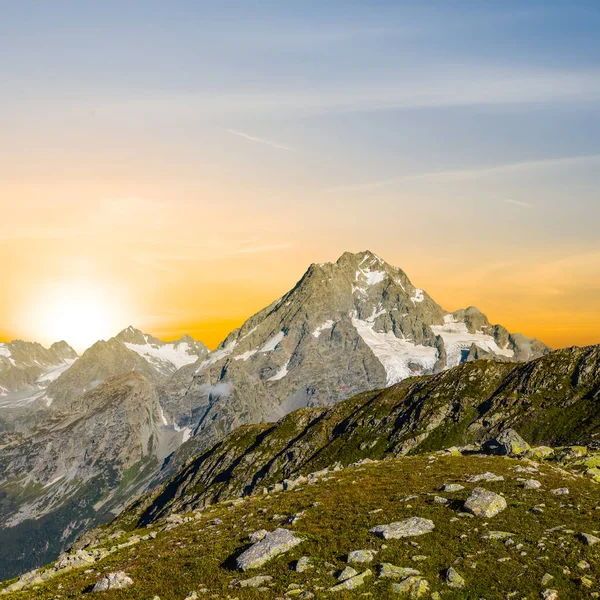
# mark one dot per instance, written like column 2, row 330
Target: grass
column 337, row 520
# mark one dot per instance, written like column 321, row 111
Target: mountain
column 554, row 401
column 87, row 443
column 372, row 497
column 346, row 327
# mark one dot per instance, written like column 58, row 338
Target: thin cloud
column 259, row 140
column 464, row 174
column 517, row 202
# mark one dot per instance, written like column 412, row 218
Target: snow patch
column 246, row 355
column 375, row 277
column 5, row 351
column 327, row 325
column 55, row 373
column 418, row 297
column 377, row 311
column 162, row 417
column 187, row 432
column 176, row 356
column 217, row 355
column 273, row 342
column 457, row 339
column 396, row 354
column 281, row 373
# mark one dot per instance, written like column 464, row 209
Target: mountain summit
column 346, row 327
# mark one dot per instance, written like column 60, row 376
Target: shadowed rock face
column 354, row 325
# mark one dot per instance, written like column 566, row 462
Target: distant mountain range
column 80, row 437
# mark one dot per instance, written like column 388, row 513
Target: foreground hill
column 542, row 540
column 554, row 400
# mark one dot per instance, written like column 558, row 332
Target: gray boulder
column 410, row 527
column 113, row 581
column 508, row 443
column 483, row 503
column 273, row 544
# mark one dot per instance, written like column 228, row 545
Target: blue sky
column 440, row 134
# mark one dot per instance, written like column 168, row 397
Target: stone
column 255, row 582
column 547, row 578
column 560, row 491
column 352, row 582
column 413, row 587
column 440, row 500
column 508, row 443
column 273, row 544
column 532, row 484
column 483, row 503
column 389, row 571
column 256, row 536
column 588, row 539
column 410, row 527
column 113, row 581
column 549, row 594
column 303, row 564
column 192, row 596
column 452, row 487
column 497, row 535
column 347, row 573
column 485, row 477
column 361, row 556
column 541, row 452
column 453, row 579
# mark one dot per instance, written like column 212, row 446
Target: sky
column 177, row 166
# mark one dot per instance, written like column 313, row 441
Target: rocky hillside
column 27, row 368
column 439, row 525
column 346, row 327
column 91, row 440
column 554, row 400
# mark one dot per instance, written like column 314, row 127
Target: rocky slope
column 554, row 400
column 346, row 327
column 27, row 368
column 431, row 526
column 90, row 440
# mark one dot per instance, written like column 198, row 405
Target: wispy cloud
column 259, row 140
column 517, row 202
column 465, row 174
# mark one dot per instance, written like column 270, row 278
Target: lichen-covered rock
column 361, row 556
column 352, row 582
column 532, row 484
column 274, row 543
column 413, row 587
column 452, row 487
column 303, row 564
column 410, row 527
column 483, row 503
column 255, row 582
column 508, row 443
column 113, row 581
column 490, row 477
column 453, row 579
column 389, row 571
column 588, row 539
column 563, row 491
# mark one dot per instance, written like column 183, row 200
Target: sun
column 80, row 313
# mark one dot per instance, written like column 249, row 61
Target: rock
column 410, row 527
column 274, row 543
column 541, row 452
column 452, row 487
column 256, row 536
column 485, row 477
column 497, row 535
column 453, row 579
column 547, row 578
column 588, row 539
column 532, row 484
column 413, row 587
column 440, row 500
column 549, row 595
column 483, row 503
column 347, row 573
column 572, row 452
column 389, row 571
column 508, row 443
column 352, row 582
column 303, row 564
column 113, row 581
column 361, row 556
column 192, row 596
column 255, row 582
column 560, row 491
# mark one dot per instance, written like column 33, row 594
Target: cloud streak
column 517, row 202
column 259, row 140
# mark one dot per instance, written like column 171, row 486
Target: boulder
column 113, row 581
column 273, row 544
column 410, row 527
column 452, row 487
column 352, row 582
column 508, row 443
column 413, row 587
column 483, row 503
column 588, row 539
column 453, row 579
column 389, row 571
column 361, row 556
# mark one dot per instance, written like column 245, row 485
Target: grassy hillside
column 333, row 517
